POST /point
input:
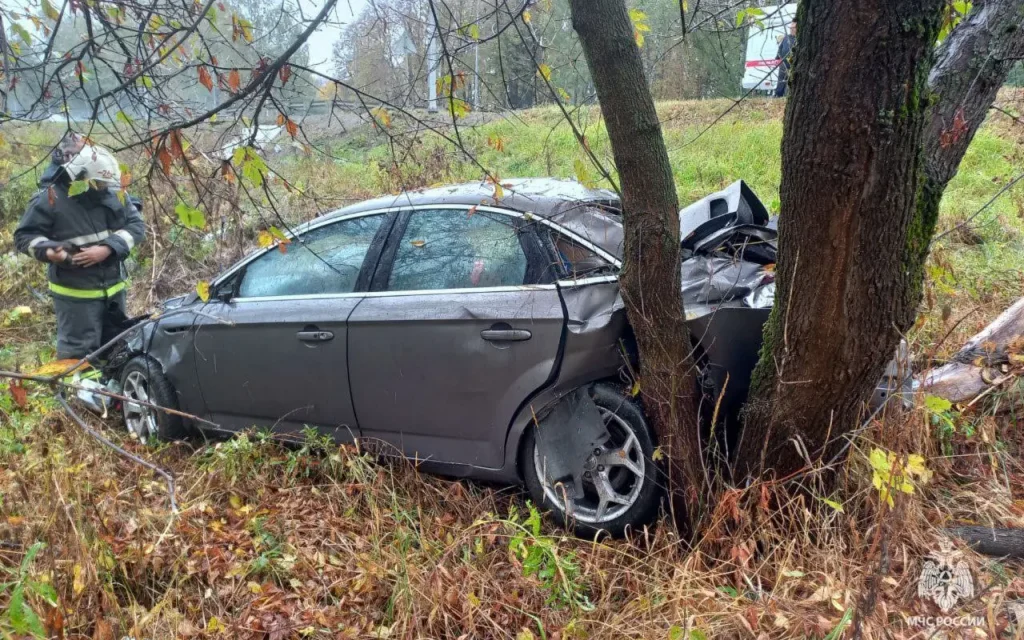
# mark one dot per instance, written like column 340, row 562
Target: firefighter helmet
column 95, row 163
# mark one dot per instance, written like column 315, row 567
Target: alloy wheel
column 140, row 419
column 611, row 479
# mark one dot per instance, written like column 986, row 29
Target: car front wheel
column 616, row 487
column 142, row 379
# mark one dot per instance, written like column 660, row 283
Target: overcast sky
column 322, row 41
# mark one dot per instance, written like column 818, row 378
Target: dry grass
column 319, row 541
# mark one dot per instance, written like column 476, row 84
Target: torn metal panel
column 734, row 205
column 596, row 331
column 566, row 436
column 762, row 297
column 711, row 279
column 599, row 226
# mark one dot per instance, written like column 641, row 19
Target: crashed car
column 481, row 338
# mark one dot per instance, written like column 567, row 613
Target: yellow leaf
column 635, row 391
column 57, row 366
column 50, row 12
column 583, row 174
column 203, row 289
column 264, row 239
column 254, row 588
column 527, row 17
column 499, row 192
column 381, row 117
column 235, row 501
column 658, row 455
column 215, row 625
column 544, row 71
column 640, row 26
column 77, row 584
column 838, row 506
column 473, row 600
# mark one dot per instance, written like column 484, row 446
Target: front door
column 275, row 355
column 454, row 337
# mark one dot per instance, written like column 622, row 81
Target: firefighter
column 85, row 239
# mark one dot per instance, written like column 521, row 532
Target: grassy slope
column 332, row 545
column 979, row 267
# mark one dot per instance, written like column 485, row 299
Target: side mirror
column 225, row 291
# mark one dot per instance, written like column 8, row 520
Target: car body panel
column 254, row 370
column 169, row 342
column 411, row 368
column 426, row 382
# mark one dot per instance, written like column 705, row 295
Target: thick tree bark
column 650, row 276
column 851, row 256
column 970, row 67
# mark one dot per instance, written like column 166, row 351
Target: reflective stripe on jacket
column 90, row 218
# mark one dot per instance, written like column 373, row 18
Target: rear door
column 460, row 328
column 275, row 354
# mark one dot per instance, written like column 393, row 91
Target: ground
column 278, row 542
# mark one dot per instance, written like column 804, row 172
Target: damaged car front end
column 481, row 340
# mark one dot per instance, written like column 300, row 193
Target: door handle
column 315, row 336
column 505, row 335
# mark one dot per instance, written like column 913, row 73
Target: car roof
column 544, row 197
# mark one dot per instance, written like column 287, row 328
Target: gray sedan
column 481, row 338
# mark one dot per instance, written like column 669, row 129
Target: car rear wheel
column 142, row 379
column 618, row 486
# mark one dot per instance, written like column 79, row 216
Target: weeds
column 540, row 556
column 21, row 588
column 317, row 540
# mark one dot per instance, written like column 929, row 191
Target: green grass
column 706, row 152
column 328, row 543
column 980, row 267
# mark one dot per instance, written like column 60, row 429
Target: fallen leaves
column 19, row 393
column 203, row 290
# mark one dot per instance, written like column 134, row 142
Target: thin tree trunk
column 970, row 67
column 850, row 260
column 650, row 276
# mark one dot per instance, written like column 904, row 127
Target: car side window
column 575, row 260
column 324, row 260
column 458, row 249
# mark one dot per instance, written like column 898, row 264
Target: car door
column 459, row 330
column 273, row 353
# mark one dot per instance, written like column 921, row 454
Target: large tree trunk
column 650, row 276
column 852, row 238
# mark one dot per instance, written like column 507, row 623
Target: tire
column 143, row 379
column 622, row 413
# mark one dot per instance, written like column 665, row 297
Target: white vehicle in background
column 767, row 28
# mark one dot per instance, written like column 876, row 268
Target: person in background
column 785, row 58
column 84, row 238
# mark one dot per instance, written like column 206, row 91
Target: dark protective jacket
column 90, row 218
column 786, row 55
